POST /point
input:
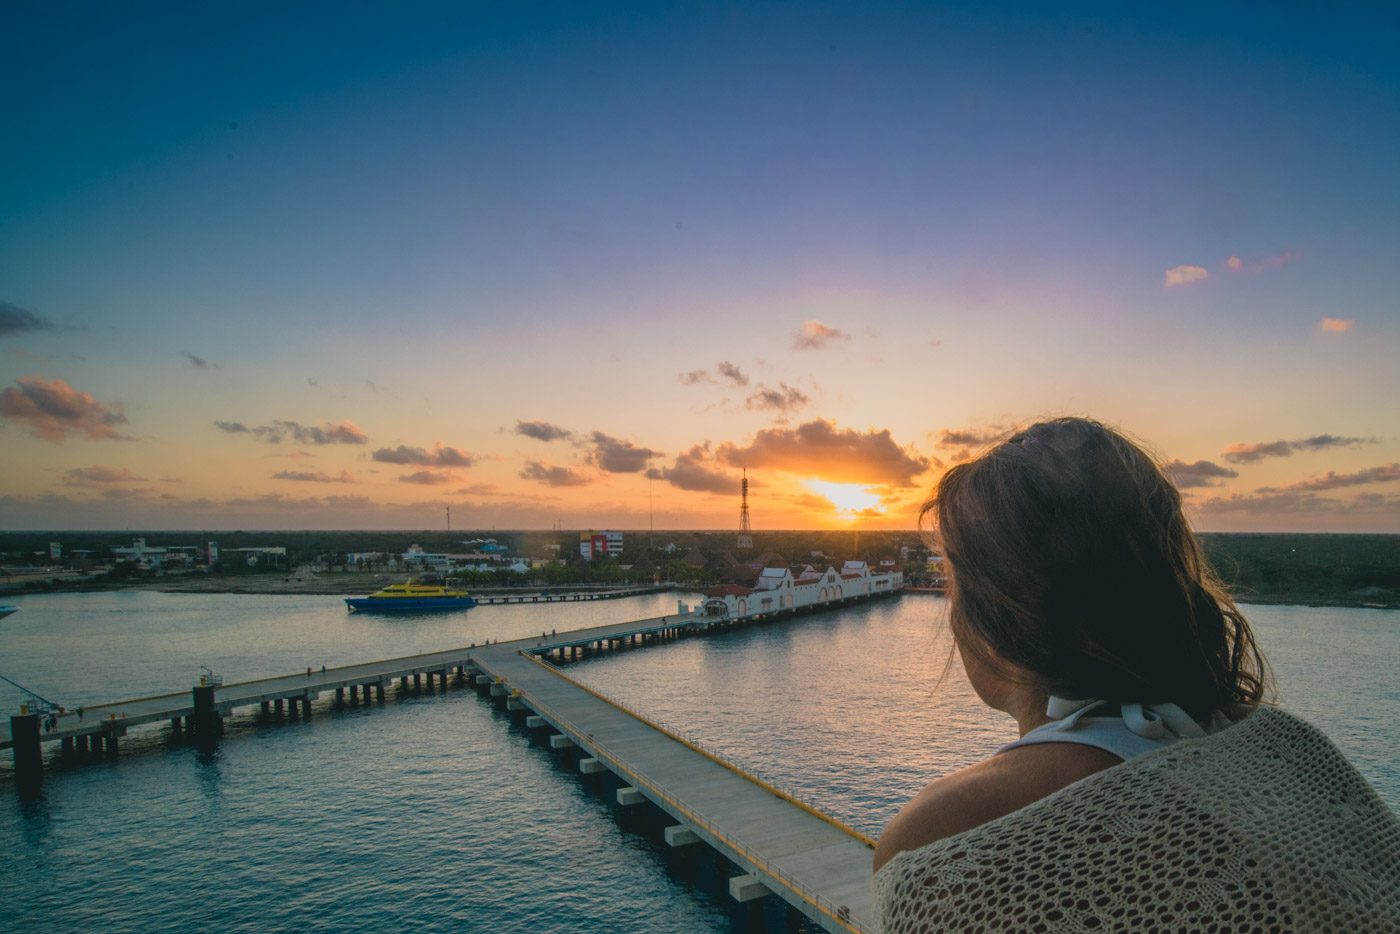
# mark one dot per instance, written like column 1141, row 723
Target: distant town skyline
column 580, row 265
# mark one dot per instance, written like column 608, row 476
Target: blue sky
column 437, row 225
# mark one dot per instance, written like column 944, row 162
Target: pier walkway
column 785, row 847
column 782, row 845
column 568, row 596
column 111, row 720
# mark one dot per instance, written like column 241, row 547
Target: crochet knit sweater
column 1263, row 826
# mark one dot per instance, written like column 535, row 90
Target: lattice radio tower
column 745, row 532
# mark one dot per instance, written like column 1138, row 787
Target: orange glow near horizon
column 849, row 499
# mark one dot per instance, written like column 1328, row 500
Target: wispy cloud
column 306, row 476
column 724, row 371
column 199, row 363
column 1266, row 264
column 694, row 377
column 1248, row 453
column 326, row 433
column 440, row 456
column 1295, row 502
column 1185, row 275
column 784, row 399
column 52, row 410
column 813, row 335
column 1387, row 473
column 552, row 476
column 479, row 489
column 428, row 478
column 1336, row 325
column 17, row 320
column 731, row 373
column 87, row 476
column 971, row 437
column 819, row 449
column 1200, row 474
column 542, row 431
column 615, row 455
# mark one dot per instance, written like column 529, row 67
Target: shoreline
column 351, row 584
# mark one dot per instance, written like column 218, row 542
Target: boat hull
column 408, row 604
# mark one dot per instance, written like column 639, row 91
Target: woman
column 1082, row 606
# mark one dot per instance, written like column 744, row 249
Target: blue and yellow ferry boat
column 412, row 596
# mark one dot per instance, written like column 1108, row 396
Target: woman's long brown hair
column 1071, row 560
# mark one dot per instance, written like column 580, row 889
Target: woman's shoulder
column 986, row 791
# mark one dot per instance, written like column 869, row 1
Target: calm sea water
column 440, row 813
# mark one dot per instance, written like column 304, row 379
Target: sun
column 850, row 499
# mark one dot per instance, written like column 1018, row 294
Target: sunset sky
column 341, row 266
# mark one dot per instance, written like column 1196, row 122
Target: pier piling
column 29, row 759
column 206, row 715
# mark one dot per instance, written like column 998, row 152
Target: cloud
column 1185, row 275
column 614, row 455
column 1274, row 262
column 971, row 437
column 728, row 372
column 542, row 431
column 732, row 373
column 306, row 476
column 1388, row 473
column 552, row 476
column 17, row 320
column 1199, row 474
column 440, row 456
column 813, row 335
column 199, row 363
column 784, row 399
column 1267, row 264
column 1243, row 453
column 52, row 409
column 326, row 433
column 86, row 476
column 1295, row 502
column 692, row 471
column 696, row 376
column 428, row 478
column 1336, row 325
column 479, row 489
column 819, row 449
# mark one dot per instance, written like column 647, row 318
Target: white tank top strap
column 1135, row 729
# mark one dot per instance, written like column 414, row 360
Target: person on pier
column 1152, row 785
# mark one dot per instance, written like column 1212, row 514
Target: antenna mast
column 745, row 532
column 449, row 518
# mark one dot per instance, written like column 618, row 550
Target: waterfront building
column 596, row 544
column 778, row 588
